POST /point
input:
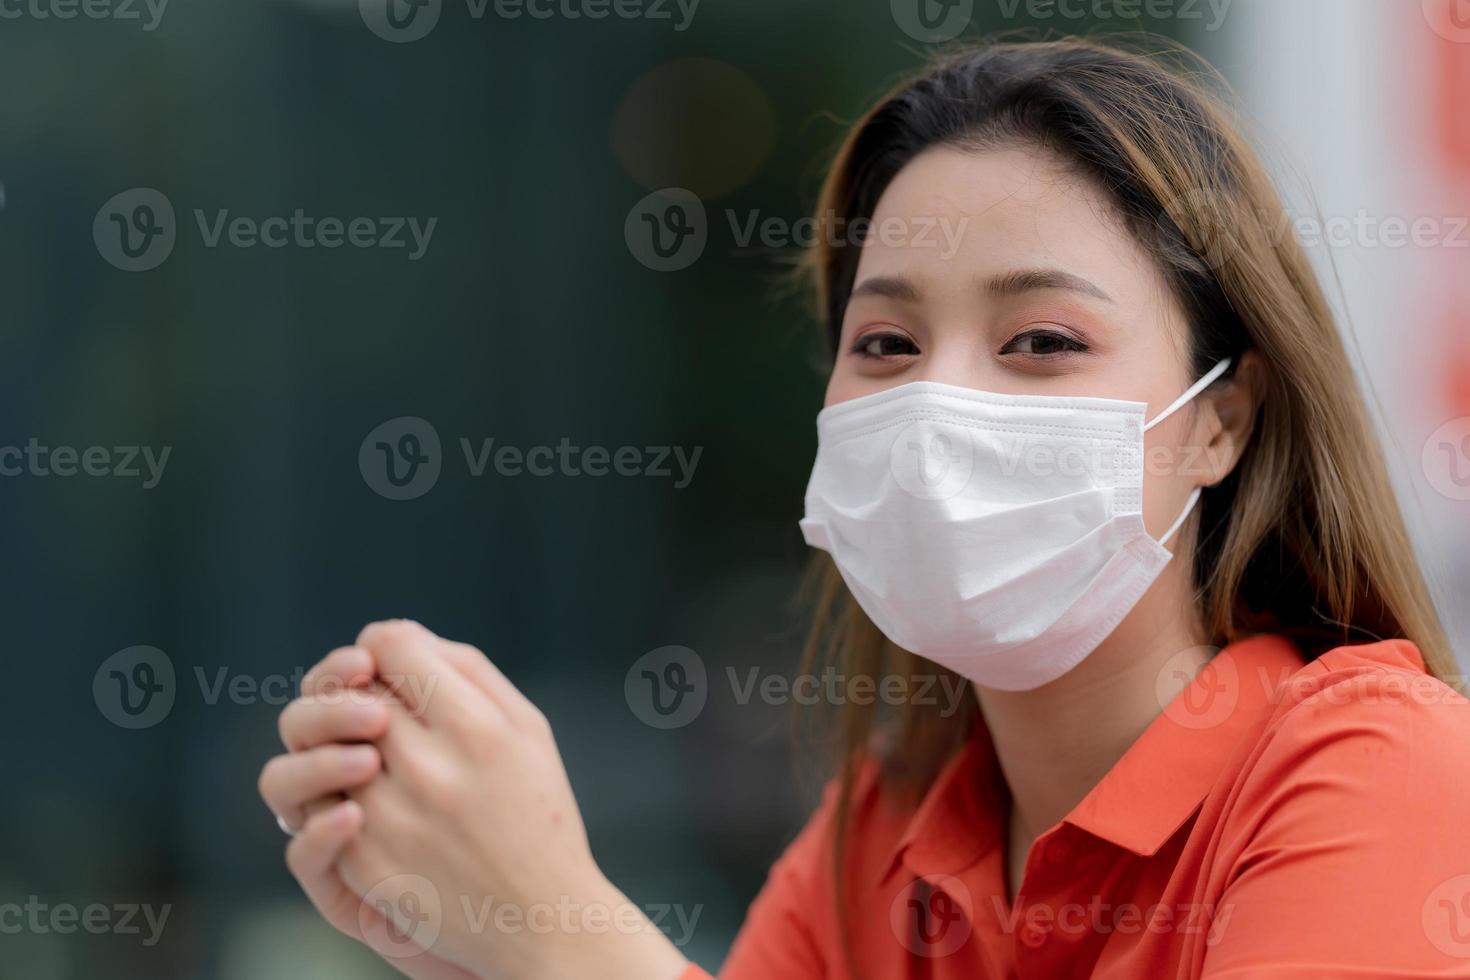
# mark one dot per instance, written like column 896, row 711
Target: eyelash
column 1070, row 344
column 860, row 347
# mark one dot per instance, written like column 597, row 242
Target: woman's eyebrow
column 1026, row 280
column 887, row 287
column 1006, row 284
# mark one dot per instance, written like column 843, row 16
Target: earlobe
column 1235, row 404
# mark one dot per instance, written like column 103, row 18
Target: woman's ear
column 1227, row 417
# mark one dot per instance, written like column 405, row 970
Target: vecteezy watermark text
column 39, row 917
column 119, row 10
column 405, row 21
column 938, row 21
column 566, row 459
column 831, row 686
column 126, row 462
column 136, row 688
column 415, row 913
column 136, row 230
column 668, row 230
column 668, row 687
column 402, row 458
column 308, row 232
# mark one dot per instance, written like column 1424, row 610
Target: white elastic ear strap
column 1193, row 499
column 1188, row 396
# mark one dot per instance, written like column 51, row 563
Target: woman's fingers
column 345, row 716
column 479, row 670
column 312, row 856
column 411, row 662
column 344, row 667
column 288, row 783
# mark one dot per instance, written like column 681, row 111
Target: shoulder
column 1363, row 730
column 1370, row 690
column 1343, row 849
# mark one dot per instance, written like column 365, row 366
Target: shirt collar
column 1165, row 775
column 1148, row 794
column 955, row 824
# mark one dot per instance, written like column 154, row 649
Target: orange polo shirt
column 1279, row 819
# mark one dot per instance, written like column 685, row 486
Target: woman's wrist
column 605, row 935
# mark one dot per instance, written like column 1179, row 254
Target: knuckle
column 269, row 779
column 296, row 855
column 537, row 721
column 437, row 780
column 292, row 721
column 486, row 729
column 464, row 653
column 321, row 671
column 321, row 763
column 456, row 656
column 390, row 632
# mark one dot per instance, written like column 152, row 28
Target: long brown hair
column 1305, row 538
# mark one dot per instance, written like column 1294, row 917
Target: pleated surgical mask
column 1000, row 536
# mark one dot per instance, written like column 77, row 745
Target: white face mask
column 1000, row 536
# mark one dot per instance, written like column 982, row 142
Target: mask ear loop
column 1189, row 395
column 1180, row 402
column 1178, row 523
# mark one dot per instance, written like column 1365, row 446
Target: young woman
column 1105, row 460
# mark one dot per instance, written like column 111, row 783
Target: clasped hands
column 433, row 820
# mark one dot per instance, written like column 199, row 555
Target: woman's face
column 1003, row 271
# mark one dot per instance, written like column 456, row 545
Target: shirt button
column 1033, row 935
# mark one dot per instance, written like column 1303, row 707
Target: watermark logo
column 1446, row 459
column 145, row 463
column 944, row 691
column 1216, row 244
column 148, row 12
column 1450, row 19
column 667, row 688
column 1445, row 917
column 567, row 917
column 41, row 918
column 400, row 21
column 932, row 459
column 404, row 21
column 1036, row 923
column 668, row 230
column 404, row 912
column 401, row 458
column 1198, row 689
column 931, row 917
column 138, row 688
column 1211, row 12
column 135, row 230
column 135, row 688
column 932, row 21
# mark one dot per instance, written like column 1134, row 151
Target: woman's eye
column 884, row 345
column 1042, row 343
